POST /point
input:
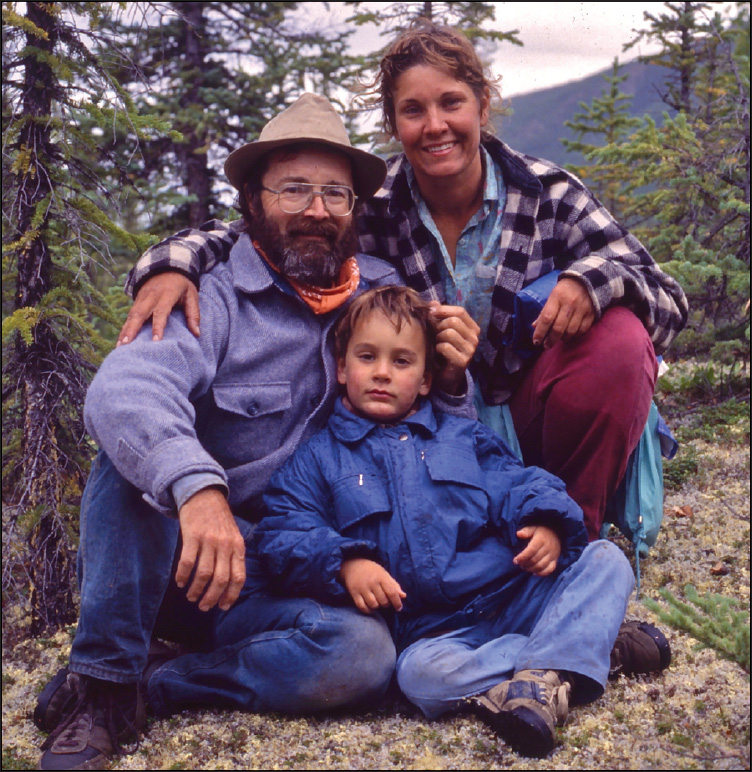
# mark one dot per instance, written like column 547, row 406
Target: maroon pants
column 580, row 410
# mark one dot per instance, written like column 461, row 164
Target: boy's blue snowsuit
column 438, row 500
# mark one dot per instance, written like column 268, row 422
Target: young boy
column 481, row 566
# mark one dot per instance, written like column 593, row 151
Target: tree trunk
column 192, row 155
column 50, row 565
column 34, row 261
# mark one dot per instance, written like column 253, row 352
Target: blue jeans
column 575, row 624
column 287, row 655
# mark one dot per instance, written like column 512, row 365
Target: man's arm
column 168, row 273
column 140, row 406
column 139, row 409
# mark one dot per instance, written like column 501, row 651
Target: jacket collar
column 514, row 168
column 348, row 427
column 250, row 271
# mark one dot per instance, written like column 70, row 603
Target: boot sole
column 523, row 730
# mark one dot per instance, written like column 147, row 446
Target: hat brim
column 369, row 171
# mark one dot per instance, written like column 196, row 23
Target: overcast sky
column 565, row 41
column 562, row 41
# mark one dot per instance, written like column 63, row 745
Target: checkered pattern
column 191, row 252
column 551, row 221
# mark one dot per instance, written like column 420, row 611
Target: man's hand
column 212, row 544
column 370, row 585
column 568, row 313
column 156, row 299
column 457, row 339
column 541, row 554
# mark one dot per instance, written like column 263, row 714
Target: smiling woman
column 439, row 119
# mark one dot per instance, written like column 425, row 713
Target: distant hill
column 537, row 123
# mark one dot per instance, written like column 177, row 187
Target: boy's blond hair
column 401, row 305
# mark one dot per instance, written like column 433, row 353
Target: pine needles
column 717, row 621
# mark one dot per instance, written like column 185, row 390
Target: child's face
column 384, row 371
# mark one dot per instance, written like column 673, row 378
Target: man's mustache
column 305, row 227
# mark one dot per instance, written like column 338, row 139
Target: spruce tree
column 218, row 72
column 609, row 120
column 685, row 183
column 57, row 221
column 716, row 621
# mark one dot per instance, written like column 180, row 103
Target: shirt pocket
column 450, row 464
column 246, row 422
column 458, row 491
column 361, row 504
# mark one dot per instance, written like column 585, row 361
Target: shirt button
column 253, row 408
column 403, row 437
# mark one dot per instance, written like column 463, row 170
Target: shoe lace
column 553, row 694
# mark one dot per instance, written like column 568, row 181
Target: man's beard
column 316, row 263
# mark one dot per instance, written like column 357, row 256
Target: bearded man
column 190, row 430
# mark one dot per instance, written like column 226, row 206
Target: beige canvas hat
column 310, row 119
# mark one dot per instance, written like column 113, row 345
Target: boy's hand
column 370, row 585
column 541, row 554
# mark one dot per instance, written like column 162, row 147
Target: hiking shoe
column 103, row 715
column 525, row 710
column 54, row 701
column 57, row 697
column 639, row 648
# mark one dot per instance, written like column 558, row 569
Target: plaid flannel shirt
column 551, row 221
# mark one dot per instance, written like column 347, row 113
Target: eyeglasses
column 295, row 197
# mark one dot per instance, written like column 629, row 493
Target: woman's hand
column 156, row 299
column 370, row 585
column 568, row 313
column 458, row 337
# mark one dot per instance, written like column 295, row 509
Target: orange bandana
column 320, row 300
